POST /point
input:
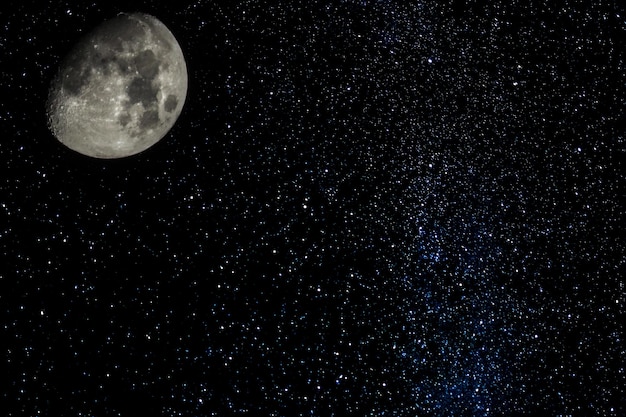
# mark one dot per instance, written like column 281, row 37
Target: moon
column 120, row 90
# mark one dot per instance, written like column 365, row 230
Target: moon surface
column 120, row 90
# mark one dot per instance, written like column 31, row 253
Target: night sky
column 366, row 208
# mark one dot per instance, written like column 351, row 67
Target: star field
column 366, row 208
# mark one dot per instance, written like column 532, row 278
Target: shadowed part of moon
column 76, row 75
column 117, row 31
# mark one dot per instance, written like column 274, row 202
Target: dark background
column 366, row 208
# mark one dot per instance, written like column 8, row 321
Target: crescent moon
column 120, row 90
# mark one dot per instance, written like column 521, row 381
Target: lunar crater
column 170, row 103
column 147, row 64
column 144, row 91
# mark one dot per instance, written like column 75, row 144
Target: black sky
column 367, row 208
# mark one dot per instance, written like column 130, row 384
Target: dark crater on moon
column 142, row 91
column 124, row 66
column 147, row 64
column 142, row 88
column 124, row 119
column 170, row 103
column 149, row 119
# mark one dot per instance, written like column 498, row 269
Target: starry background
column 367, row 208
